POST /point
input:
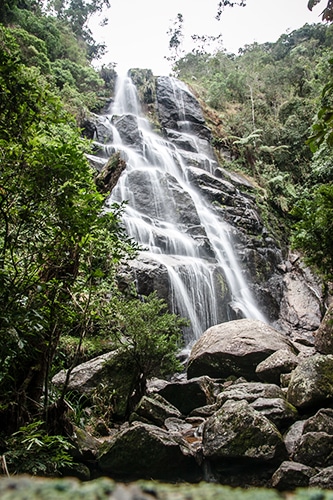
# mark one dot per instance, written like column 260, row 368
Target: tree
column 55, row 246
column 327, row 13
column 314, row 229
column 176, row 39
column 147, row 338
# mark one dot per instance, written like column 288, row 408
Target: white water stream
column 155, row 172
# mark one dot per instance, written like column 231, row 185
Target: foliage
column 55, row 246
column 32, row 451
column 176, row 38
column 147, row 338
column 314, row 229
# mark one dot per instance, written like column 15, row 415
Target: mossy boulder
column 146, row 451
column 311, row 382
column 239, row 432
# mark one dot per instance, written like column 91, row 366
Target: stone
column 323, row 479
column 154, row 409
column 85, row 377
column 322, row 421
column 189, row 394
column 293, row 437
column 250, row 391
column 311, row 382
column 324, row 335
column 280, row 362
column 277, row 410
column 292, row 475
column 234, row 348
column 146, row 451
column 237, row 431
column 315, row 449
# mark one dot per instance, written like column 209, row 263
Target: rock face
column 282, row 287
column 235, row 348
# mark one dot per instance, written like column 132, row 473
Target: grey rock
column 278, row 410
column 85, row 377
column 315, row 449
column 322, row 421
column 238, row 431
column 146, row 451
column 324, row 335
column 323, row 479
column 311, row 382
column 281, row 361
column 234, row 348
column 293, row 437
column 249, row 391
column 154, row 409
column 292, row 475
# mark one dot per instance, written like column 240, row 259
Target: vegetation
column 270, row 106
column 60, row 253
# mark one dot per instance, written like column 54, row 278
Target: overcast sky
column 136, row 34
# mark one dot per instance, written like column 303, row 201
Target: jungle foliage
column 60, row 251
column 270, row 107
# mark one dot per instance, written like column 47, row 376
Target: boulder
column 293, row 437
column 250, row 391
column 277, row 410
column 281, row 361
column 106, row 373
column 84, row 378
column 235, row 348
column 146, row 451
column 322, row 421
column 324, row 335
column 323, row 479
column 154, row 409
column 237, row 431
column 187, row 395
column 311, row 382
column 292, row 475
column 315, row 449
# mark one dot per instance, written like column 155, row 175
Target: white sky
column 136, row 35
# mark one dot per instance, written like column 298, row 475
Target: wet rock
column 127, row 126
column 281, row 361
column 292, row 475
column 311, row 382
column 234, row 348
column 238, row 431
column 146, row 451
column 171, row 117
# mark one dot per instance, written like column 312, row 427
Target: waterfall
column 169, row 217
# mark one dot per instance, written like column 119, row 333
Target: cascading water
column 193, row 245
